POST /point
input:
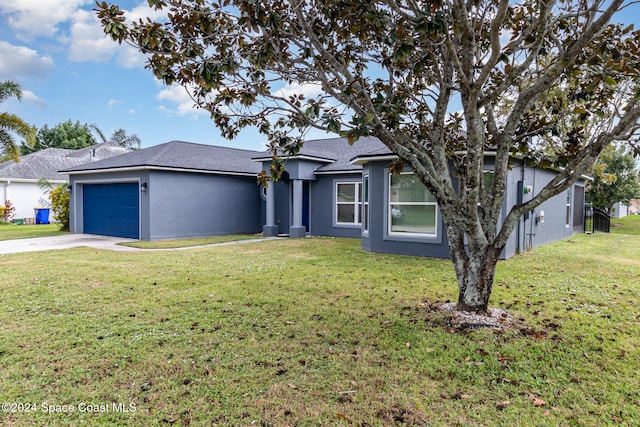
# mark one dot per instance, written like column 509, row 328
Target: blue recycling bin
column 42, row 215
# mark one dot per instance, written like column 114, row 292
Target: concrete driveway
column 93, row 241
column 63, row 242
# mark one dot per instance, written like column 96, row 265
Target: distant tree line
column 74, row 136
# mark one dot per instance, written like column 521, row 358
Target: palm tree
column 120, row 137
column 11, row 124
column 128, row 141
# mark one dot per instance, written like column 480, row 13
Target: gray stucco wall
column 323, row 206
column 180, row 204
column 195, row 205
column 528, row 234
column 282, row 190
column 378, row 240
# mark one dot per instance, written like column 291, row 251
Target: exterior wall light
column 143, row 187
column 69, row 188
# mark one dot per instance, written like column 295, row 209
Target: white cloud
column 178, row 95
column 32, row 98
column 20, row 61
column 74, row 24
column 112, row 103
column 143, row 11
column 129, row 57
column 34, row 18
column 87, row 41
column 309, row 90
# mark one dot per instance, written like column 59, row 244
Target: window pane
column 346, row 193
column 487, row 181
column 413, row 219
column 407, row 188
column 366, row 188
column 366, row 217
column 346, row 213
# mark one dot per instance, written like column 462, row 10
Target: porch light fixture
column 143, row 187
column 69, row 188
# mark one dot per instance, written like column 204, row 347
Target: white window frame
column 392, row 233
column 568, row 210
column 366, row 213
column 357, row 220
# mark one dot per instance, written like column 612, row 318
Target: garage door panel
column 112, row 209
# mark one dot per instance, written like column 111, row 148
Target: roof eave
column 361, row 160
column 337, row 172
column 159, row 168
column 297, row 157
column 10, row 181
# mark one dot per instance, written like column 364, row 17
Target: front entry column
column 297, row 229
column 270, row 229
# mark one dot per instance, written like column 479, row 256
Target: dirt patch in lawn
column 447, row 314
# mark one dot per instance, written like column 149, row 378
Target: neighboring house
column 634, row 207
column 19, row 180
column 619, row 210
column 330, row 188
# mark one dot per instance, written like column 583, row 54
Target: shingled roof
column 344, row 152
column 48, row 162
column 179, row 155
column 335, row 152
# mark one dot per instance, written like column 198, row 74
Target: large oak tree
column 438, row 82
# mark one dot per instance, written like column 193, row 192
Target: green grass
column 183, row 243
column 626, row 225
column 9, row 231
column 314, row 332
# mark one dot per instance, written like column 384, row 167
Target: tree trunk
column 475, row 278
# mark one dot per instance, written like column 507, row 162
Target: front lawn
column 183, row 243
column 627, row 225
column 9, row 231
column 310, row 332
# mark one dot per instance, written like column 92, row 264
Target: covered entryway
column 111, row 209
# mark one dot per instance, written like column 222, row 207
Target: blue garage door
column 111, row 209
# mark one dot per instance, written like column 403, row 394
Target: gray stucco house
column 172, row 190
column 330, row 188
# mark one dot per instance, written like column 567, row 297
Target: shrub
column 60, row 205
column 7, row 211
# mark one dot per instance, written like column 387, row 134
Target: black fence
column 596, row 219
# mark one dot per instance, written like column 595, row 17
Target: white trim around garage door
column 74, row 194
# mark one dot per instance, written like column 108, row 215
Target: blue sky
column 56, row 51
column 68, row 69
